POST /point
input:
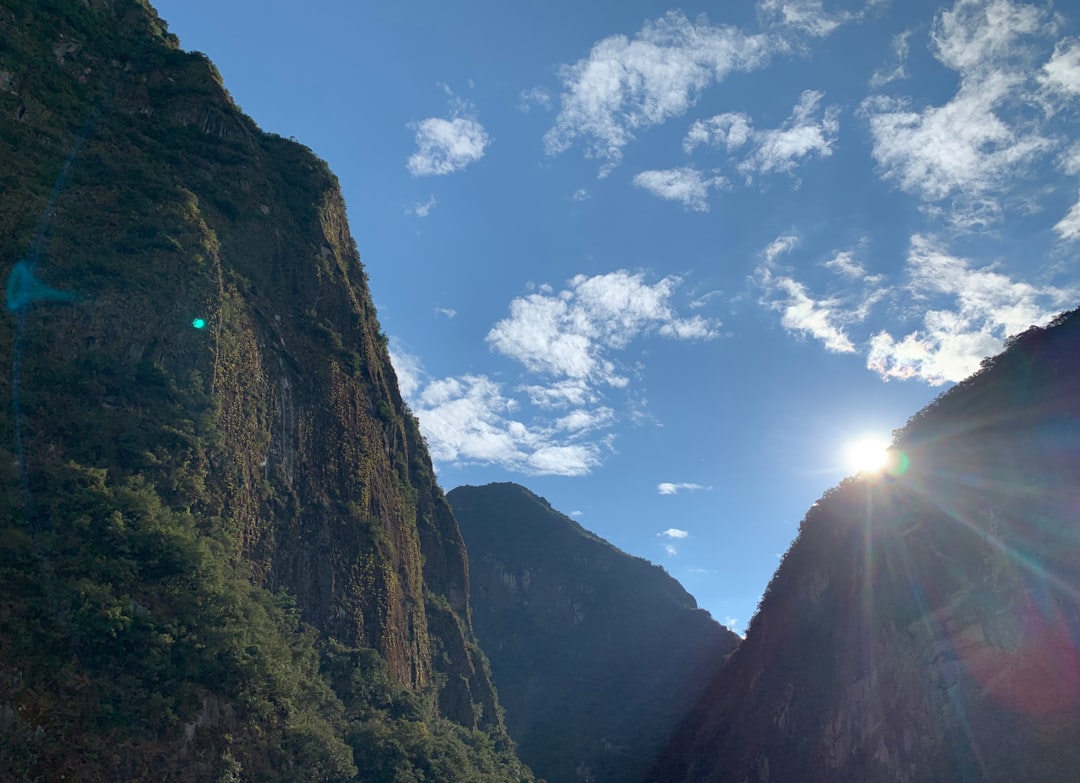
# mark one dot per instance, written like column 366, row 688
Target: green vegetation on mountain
column 597, row 655
column 925, row 625
column 223, row 554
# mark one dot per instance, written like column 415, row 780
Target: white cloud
column 1069, row 226
column 671, row 550
column 901, row 47
column 845, row 265
column 824, row 319
column 800, row 313
column 449, row 312
column 407, row 370
column 559, row 423
column 731, row 130
column 537, row 96
column 561, row 394
column 674, row 488
column 673, row 532
column 446, row 145
column 782, row 245
column 687, row 186
column 571, row 334
column 801, row 136
column 986, row 307
column 972, row 147
column 626, row 84
column 580, row 195
column 1062, row 73
column 468, row 420
column 810, row 16
column 422, row 208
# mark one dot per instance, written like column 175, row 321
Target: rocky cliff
column 597, row 655
column 925, row 624
column 203, row 436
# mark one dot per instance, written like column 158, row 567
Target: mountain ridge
column 597, row 654
column 923, row 625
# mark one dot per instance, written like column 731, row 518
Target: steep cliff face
column 597, row 655
column 925, row 625
column 214, row 343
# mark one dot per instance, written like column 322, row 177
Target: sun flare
column 868, row 454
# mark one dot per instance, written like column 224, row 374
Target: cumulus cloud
column 673, row 532
column 686, row 186
column 626, row 84
column 449, row 312
column 671, row 550
column 802, row 135
column 570, row 334
column 985, row 307
column 446, row 145
column 970, row 148
column 469, row 420
column 559, row 420
column 674, row 488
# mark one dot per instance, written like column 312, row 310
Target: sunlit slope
column 925, row 625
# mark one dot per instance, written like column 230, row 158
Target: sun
column 867, row 454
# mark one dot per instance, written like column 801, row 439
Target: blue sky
column 662, row 264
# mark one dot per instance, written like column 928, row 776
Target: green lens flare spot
column 198, row 323
column 898, row 462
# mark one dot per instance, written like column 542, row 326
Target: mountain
column 597, row 655
column 223, row 553
column 925, row 624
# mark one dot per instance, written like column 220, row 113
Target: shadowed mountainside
column 924, row 626
column 223, row 554
column 597, row 655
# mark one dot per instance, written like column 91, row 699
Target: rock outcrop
column 217, row 354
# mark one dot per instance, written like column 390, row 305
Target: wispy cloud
column 628, row 84
column 1069, row 226
column 686, row 186
column 449, row 312
column 901, row 46
column 673, row 532
column 537, row 96
column 674, row 488
column 971, row 148
column 446, row 145
column 823, row 318
column 422, row 208
column 775, row 150
column 984, row 306
column 671, row 550
column 810, row 16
